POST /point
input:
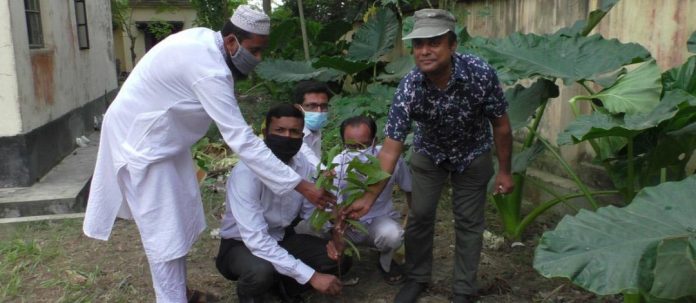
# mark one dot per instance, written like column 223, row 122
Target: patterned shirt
column 451, row 124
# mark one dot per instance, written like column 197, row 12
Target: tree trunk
column 305, row 43
column 267, row 7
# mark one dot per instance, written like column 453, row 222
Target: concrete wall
column 10, row 120
column 50, row 95
column 141, row 14
column 660, row 26
column 60, row 77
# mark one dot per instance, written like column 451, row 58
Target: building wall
column 142, row 14
column 10, row 120
column 662, row 27
column 50, row 95
column 60, row 77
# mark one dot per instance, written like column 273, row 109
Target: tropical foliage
column 647, row 248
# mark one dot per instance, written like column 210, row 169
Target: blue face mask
column 315, row 120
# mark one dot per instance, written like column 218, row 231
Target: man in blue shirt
column 460, row 111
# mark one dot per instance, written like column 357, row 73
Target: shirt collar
column 220, row 43
column 458, row 73
column 308, row 132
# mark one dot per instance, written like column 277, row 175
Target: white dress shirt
column 383, row 206
column 144, row 166
column 258, row 217
column 311, row 146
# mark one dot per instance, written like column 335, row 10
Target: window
column 81, row 18
column 33, row 13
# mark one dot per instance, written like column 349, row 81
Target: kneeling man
column 258, row 249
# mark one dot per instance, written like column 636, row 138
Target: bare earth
column 54, row 262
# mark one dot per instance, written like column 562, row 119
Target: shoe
column 460, row 298
column 410, row 292
column 395, row 275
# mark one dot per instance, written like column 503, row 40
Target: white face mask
column 352, row 153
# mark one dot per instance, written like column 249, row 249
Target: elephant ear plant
column 646, row 250
column 568, row 55
column 359, row 175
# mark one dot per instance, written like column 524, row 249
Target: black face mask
column 236, row 74
column 283, row 147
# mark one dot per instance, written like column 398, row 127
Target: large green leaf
column 647, row 246
column 638, row 91
column 555, row 56
column 341, row 64
column 600, row 124
column 682, row 77
column 691, row 43
column 375, row 38
column 583, row 27
column 397, row 69
column 525, row 100
column 291, row 71
column 522, row 160
column 283, row 33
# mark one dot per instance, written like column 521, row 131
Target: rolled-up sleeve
column 218, row 100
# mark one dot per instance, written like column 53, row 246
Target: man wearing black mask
column 144, row 168
column 258, row 250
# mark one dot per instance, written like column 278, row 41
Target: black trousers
column 256, row 276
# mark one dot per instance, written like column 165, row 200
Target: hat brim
column 426, row 32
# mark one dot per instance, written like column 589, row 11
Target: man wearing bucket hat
column 144, row 167
column 460, row 111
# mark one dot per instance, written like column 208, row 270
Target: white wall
column 10, row 120
column 60, row 77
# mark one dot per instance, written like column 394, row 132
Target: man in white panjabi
column 144, row 167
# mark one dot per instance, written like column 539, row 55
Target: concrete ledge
column 63, row 190
column 42, row 218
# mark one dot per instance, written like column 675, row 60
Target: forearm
column 502, row 136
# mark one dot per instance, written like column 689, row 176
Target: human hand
column 503, row 184
column 359, row 208
column 326, row 284
column 332, row 251
column 317, row 196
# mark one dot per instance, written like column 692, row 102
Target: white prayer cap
column 251, row 20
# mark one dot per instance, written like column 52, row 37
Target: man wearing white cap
column 460, row 111
column 144, row 167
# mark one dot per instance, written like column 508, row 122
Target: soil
column 79, row 269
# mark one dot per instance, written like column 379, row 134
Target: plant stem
column 529, row 218
column 535, row 125
column 630, row 179
column 632, row 298
column 553, row 193
column 663, row 175
column 587, row 88
column 570, row 172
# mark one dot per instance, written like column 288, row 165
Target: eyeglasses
column 316, row 107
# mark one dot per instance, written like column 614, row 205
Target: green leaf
column 552, row 56
column 341, row 64
column 522, row 160
column 352, row 249
column 283, row 33
column 648, row 245
column 375, row 38
column 525, row 100
column 397, row 69
column 357, row 225
column 333, row 31
column 292, row 71
column 583, row 27
column 691, row 43
column 682, row 77
column 371, row 169
column 318, row 218
column 638, row 91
